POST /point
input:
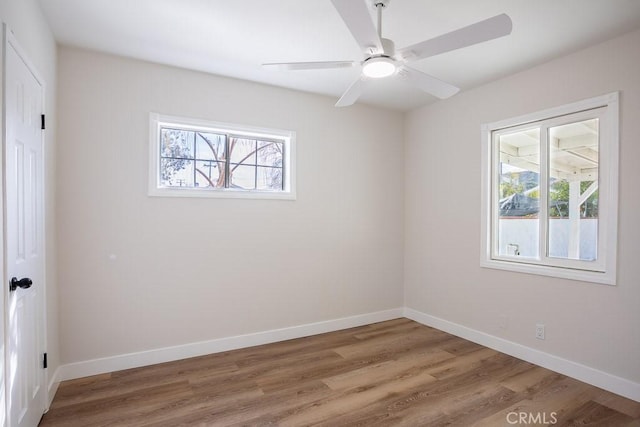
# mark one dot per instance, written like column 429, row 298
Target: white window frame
column 604, row 270
column 157, row 121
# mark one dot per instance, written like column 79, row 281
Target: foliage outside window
column 204, row 159
column 550, row 191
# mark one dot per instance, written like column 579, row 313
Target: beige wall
column 27, row 22
column 188, row 270
column 595, row 325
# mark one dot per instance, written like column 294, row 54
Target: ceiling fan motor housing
column 382, row 64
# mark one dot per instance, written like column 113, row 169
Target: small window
column 193, row 158
column 550, row 192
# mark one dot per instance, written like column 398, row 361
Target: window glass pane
column 270, row 153
column 176, row 150
column 176, row 172
column 573, row 190
column 243, row 177
column 210, row 146
column 519, row 193
column 209, row 174
column 243, row 151
column 269, row 178
column 176, row 143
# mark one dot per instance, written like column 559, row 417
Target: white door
column 24, row 240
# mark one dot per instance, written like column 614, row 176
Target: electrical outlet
column 540, row 331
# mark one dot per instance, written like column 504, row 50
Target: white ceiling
column 234, row 37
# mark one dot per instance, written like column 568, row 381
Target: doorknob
column 23, row 283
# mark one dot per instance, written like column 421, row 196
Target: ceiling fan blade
column 319, row 65
column 352, row 94
column 482, row 31
column 355, row 14
column 428, row 83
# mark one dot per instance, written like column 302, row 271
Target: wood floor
column 395, row 373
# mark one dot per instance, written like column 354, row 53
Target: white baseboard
column 168, row 354
column 566, row 367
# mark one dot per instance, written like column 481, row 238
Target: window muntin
column 550, row 192
column 204, row 159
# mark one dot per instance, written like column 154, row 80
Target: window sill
column 221, row 194
column 558, row 272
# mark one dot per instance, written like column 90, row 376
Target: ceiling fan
column 381, row 58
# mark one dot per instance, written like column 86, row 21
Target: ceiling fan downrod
column 379, row 5
column 388, row 47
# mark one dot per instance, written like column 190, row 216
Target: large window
column 204, row 159
column 550, row 191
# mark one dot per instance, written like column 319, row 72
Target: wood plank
column 618, row 403
column 344, row 402
column 594, row 414
column 528, row 379
column 561, row 397
column 120, row 408
column 240, row 411
column 389, row 369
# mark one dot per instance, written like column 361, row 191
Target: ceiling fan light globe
column 377, row 68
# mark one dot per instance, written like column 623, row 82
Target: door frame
column 10, row 41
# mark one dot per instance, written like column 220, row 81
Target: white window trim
column 155, row 122
column 608, row 177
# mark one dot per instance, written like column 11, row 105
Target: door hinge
column 44, row 361
column 42, row 122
